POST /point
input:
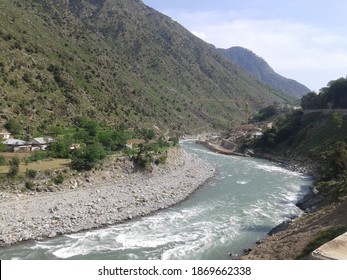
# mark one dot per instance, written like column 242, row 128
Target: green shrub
column 29, row 173
column 13, row 126
column 161, row 160
column 14, row 168
column 59, row 179
column 144, row 158
column 174, row 140
column 60, row 149
column 29, row 185
column 113, row 140
column 153, row 147
column 2, row 160
column 3, row 147
column 14, row 83
column 86, row 158
column 27, row 78
column 147, row 134
column 38, row 155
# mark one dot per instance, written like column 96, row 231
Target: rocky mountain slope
column 116, row 62
column 262, row 71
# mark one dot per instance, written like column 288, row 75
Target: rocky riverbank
column 290, row 239
column 298, row 165
column 100, row 198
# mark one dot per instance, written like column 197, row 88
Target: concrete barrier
column 335, row 249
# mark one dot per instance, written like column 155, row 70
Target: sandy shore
column 109, row 196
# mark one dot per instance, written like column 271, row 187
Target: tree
column 55, row 130
column 333, row 96
column 61, row 149
column 336, row 93
column 87, row 157
column 14, row 168
column 13, row 126
column 144, row 158
column 268, row 140
column 120, row 139
column 174, row 140
column 113, row 140
column 90, row 126
column 339, row 159
column 310, row 101
column 105, row 138
column 82, row 136
column 147, row 134
column 30, row 173
column 336, row 160
column 266, row 113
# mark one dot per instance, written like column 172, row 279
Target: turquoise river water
column 227, row 214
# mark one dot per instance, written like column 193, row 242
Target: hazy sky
column 304, row 40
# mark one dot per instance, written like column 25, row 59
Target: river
column 246, row 199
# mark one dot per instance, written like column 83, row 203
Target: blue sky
column 303, row 40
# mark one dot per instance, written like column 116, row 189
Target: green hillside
column 306, row 135
column 116, row 62
column 317, row 138
column 313, row 132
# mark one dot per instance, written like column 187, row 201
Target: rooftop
column 42, row 140
column 14, row 142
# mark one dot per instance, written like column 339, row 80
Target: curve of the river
column 227, row 214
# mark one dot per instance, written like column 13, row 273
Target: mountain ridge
column 262, row 71
column 118, row 62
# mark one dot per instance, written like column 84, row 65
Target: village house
column 40, row 143
column 257, row 135
column 5, row 135
column 36, row 144
column 17, row 145
column 75, row 146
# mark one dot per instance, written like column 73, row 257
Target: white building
column 40, row 143
column 4, row 134
column 17, row 145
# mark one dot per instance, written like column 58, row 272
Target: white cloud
column 311, row 55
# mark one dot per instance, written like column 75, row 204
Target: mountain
column 116, row 62
column 261, row 70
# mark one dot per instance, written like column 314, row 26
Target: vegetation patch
column 83, row 147
column 62, row 64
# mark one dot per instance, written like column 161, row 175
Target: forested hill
column 318, row 139
column 116, row 62
column 261, row 70
column 333, row 96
